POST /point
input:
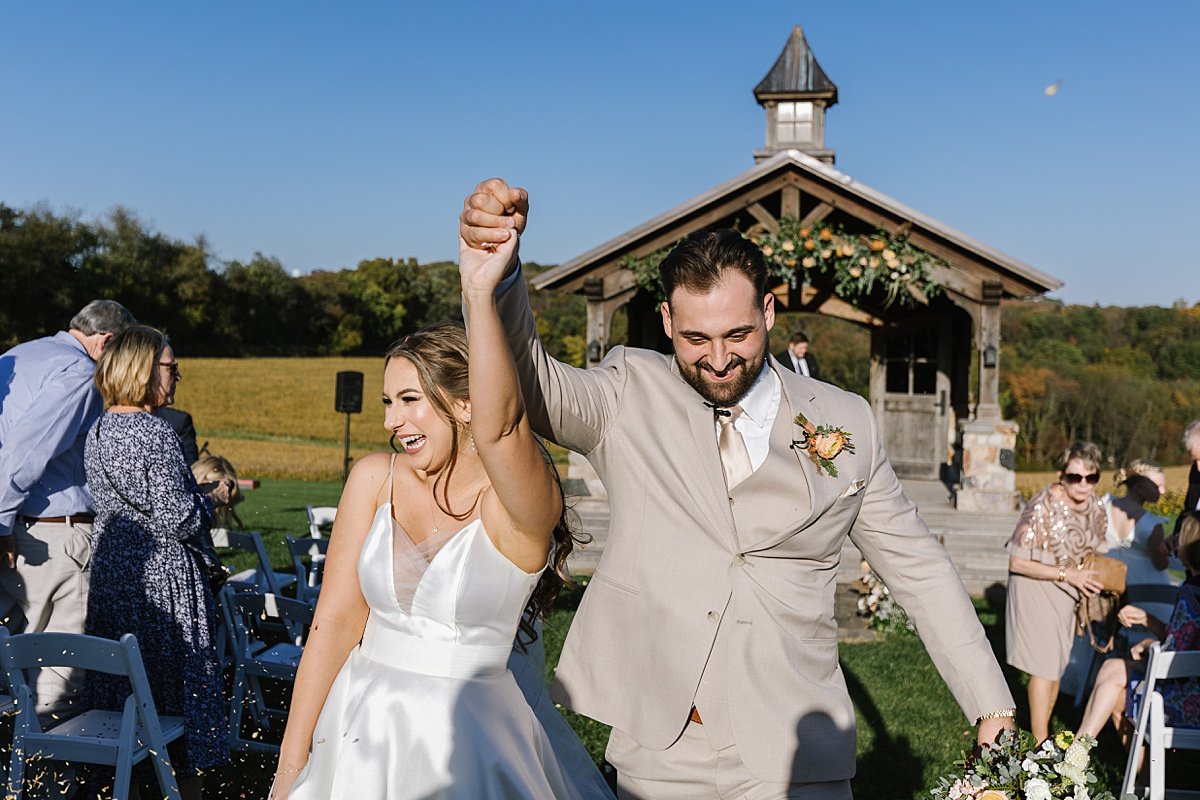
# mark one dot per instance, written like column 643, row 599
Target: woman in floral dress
column 144, row 579
column 1181, row 698
column 1062, row 525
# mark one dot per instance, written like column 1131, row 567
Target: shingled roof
column 796, row 72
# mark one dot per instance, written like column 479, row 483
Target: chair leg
column 165, row 774
column 1157, row 754
column 16, row 771
column 236, row 708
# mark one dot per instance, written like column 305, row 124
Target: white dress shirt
column 759, row 407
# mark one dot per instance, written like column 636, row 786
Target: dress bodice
column 461, row 607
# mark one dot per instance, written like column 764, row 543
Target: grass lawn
column 909, row 728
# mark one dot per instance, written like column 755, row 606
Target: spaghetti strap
column 392, row 485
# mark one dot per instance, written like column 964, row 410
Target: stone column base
column 988, row 483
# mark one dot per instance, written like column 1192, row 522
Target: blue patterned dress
column 145, row 582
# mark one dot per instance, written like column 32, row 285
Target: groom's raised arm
column 570, row 406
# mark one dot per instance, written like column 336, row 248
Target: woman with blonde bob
column 145, row 580
column 1061, row 526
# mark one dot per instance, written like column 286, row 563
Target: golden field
column 274, row 417
column 1030, row 482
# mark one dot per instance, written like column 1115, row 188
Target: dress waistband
column 444, row 659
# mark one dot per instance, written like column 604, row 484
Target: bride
column 439, row 554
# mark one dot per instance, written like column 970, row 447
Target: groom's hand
column 989, row 729
column 491, row 212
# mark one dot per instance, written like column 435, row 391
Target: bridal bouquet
column 1015, row 768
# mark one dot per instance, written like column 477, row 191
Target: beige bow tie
column 735, row 458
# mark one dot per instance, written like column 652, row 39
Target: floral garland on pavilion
column 861, row 265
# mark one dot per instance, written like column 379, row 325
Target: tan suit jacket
column 683, row 561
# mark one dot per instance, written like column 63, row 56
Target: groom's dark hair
column 702, row 258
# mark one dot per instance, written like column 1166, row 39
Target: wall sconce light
column 990, row 356
column 593, row 352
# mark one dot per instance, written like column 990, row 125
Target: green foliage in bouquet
column 1016, row 768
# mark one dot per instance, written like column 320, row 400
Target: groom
column 707, row 636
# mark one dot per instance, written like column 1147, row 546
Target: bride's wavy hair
column 439, row 354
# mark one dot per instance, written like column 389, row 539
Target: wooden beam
column 763, row 217
column 790, row 207
column 666, row 237
column 816, row 215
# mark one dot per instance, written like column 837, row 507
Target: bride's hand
column 482, row 270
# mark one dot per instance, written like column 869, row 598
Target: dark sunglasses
column 172, row 366
column 1075, row 477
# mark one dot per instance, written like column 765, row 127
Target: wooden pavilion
column 934, row 369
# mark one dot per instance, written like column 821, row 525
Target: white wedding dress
column 426, row 707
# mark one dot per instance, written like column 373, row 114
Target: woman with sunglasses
column 1061, row 525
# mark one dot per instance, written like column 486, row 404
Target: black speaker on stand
column 348, row 400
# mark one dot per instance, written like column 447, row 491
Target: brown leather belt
column 695, row 716
column 67, row 520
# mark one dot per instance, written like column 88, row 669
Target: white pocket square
column 854, row 488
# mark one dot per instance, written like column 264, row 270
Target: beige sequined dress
column 1039, row 626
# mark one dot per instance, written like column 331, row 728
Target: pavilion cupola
column 795, row 94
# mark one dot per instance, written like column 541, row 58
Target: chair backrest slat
column 72, row 650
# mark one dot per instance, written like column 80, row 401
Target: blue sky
column 323, row 134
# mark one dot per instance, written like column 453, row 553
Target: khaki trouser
column 48, row 591
column 692, row 769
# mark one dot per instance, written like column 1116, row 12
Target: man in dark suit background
column 180, row 421
column 797, row 358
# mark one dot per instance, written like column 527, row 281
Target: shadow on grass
column 890, row 769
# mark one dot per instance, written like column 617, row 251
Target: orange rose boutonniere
column 823, row 443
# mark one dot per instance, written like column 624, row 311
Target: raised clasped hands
column 492, row 219
column 492, row 213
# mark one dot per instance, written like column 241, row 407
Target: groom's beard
column 723, row 394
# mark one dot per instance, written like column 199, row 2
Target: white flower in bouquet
column 1071, row 772
column 1081, row 792
column 1037, row 789
column 1077, row 756
column 1030, row 766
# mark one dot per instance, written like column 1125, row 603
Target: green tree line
column 51, row 264
column 1125, row 378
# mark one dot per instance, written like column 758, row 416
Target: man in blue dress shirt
column 48, row 401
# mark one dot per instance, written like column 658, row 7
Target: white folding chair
column 255, row 657
column 1150, row 726
column 320, row 517
column 118, row 739
column 262, row 578
column 310, row 575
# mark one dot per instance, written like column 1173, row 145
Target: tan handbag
column 1109, row 571
column 1097, row 616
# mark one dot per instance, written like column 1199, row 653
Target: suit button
column 740, row 560
column 713, row 616
column 731, row 501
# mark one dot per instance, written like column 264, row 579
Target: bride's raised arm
column 528, row 498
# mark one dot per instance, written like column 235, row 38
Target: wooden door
column 914, row 365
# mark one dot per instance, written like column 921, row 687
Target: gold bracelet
column 1004, row 713
column 287, row 771
column 1062, row 572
